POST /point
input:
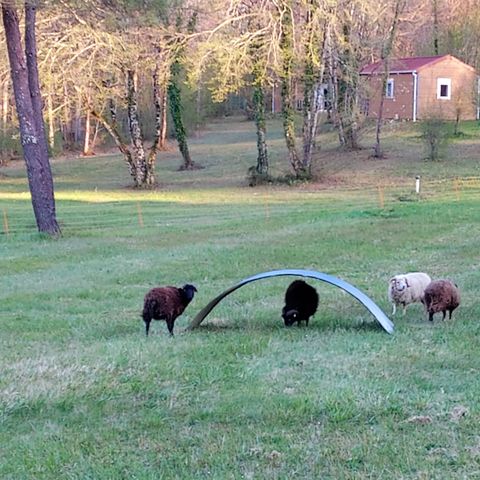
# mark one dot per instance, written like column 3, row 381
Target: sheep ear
column 392, row 280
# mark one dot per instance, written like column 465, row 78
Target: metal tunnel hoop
column 366, row 301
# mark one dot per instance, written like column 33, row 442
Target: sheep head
column 189, row 291
column 290, row 317
column 399, row 283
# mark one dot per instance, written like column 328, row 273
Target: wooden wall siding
column 401, row 105
column 463, row 95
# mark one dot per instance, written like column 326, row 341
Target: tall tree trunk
column 310, row 123
column 33, row 77
column 163, row 130
column 313, row 77
column 259, row 112
column 286, row 46
column 95, row 134
column 334, row 91
column 152, row 155
column 345, row 65
column 198, row 109
column 377, row 151
column 28, row 102
column 86, row 141
column 67, row 118
column 435, row 26
column 51, row 121
column 258, row 101
column 176, row 110
column 77, row 123
column 135, row 130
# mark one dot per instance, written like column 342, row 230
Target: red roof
column 401, row 65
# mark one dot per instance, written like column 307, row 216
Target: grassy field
column 83, row 393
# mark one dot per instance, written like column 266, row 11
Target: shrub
column 435, row 137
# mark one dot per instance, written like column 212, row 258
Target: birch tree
column 316, row 31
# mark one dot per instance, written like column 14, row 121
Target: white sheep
column 407, row 288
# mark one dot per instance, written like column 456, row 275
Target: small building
column 422, row 87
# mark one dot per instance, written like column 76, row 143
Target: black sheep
column 301, row 302
column 166, row 303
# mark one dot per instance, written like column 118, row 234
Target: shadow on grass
column 313, row 326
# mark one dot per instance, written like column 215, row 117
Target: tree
column 175, row 94
column 286, row 76
column 386, row 53
column 24, row 74
column 256, row 55
column 312, row 79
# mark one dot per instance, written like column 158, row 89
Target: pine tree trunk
column 33, row 77
column 28, row 102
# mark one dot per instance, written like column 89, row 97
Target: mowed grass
column 83, row 393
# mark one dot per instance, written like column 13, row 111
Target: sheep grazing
column 301, row 302
column 440, row 296
column 166, row 303
column 407, row 288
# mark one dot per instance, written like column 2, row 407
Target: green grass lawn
column 83, row 393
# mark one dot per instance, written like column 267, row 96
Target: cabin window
column 444, row 87
column 390, row 85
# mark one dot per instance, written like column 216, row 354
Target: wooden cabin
column 422, row 87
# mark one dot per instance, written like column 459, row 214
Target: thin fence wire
column 146, row 214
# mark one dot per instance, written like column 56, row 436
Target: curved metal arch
column 374, row 309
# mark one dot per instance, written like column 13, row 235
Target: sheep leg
column 147, row 326
column 404, row 308
column 170, row 323
column 394, row 308
column 444, row 313
column 430, row 316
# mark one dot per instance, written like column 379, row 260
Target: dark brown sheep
column 166, row 303
column 441, row 296
column 301, row 302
